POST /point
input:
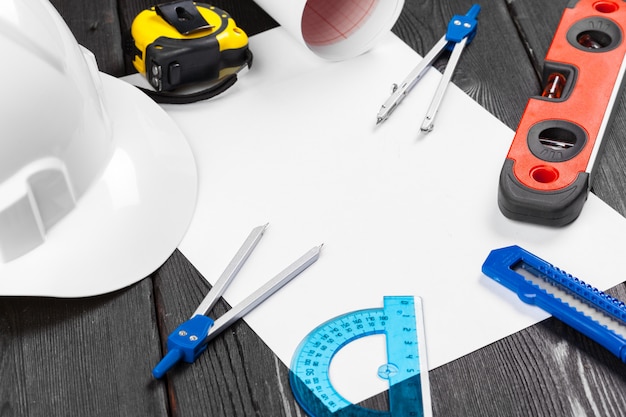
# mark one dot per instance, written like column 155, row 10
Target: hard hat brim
column 132, row 218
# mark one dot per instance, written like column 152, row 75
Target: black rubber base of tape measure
column 554, row 208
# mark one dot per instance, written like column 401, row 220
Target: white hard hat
column 97, row 184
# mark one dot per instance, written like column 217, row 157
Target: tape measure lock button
column 181, row 62
column 174, row 73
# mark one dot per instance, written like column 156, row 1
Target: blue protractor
column 309, row 375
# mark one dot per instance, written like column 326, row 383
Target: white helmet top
column 91, row 171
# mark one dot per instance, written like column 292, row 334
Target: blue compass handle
column 185, row 343
column 463, row 26
column 172, row 357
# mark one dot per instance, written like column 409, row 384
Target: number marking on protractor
column 409, row 393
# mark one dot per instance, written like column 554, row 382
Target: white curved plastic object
column 85, row 165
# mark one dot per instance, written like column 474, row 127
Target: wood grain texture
column 546, row 370
column 94, row 356
column 96, row 26
column 80, row 357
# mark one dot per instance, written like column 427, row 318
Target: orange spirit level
column 547, row 172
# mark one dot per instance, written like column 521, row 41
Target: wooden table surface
column 93, row 357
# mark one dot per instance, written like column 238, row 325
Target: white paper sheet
column 294, row 143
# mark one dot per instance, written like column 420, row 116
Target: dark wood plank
column 96, row 26
column 80, row 357
column 546, row 370
column 536, row 25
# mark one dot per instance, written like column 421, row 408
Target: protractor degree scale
column 409, row 392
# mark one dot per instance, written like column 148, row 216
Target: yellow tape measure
column 185, row 42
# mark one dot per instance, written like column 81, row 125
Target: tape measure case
column 185, row 42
